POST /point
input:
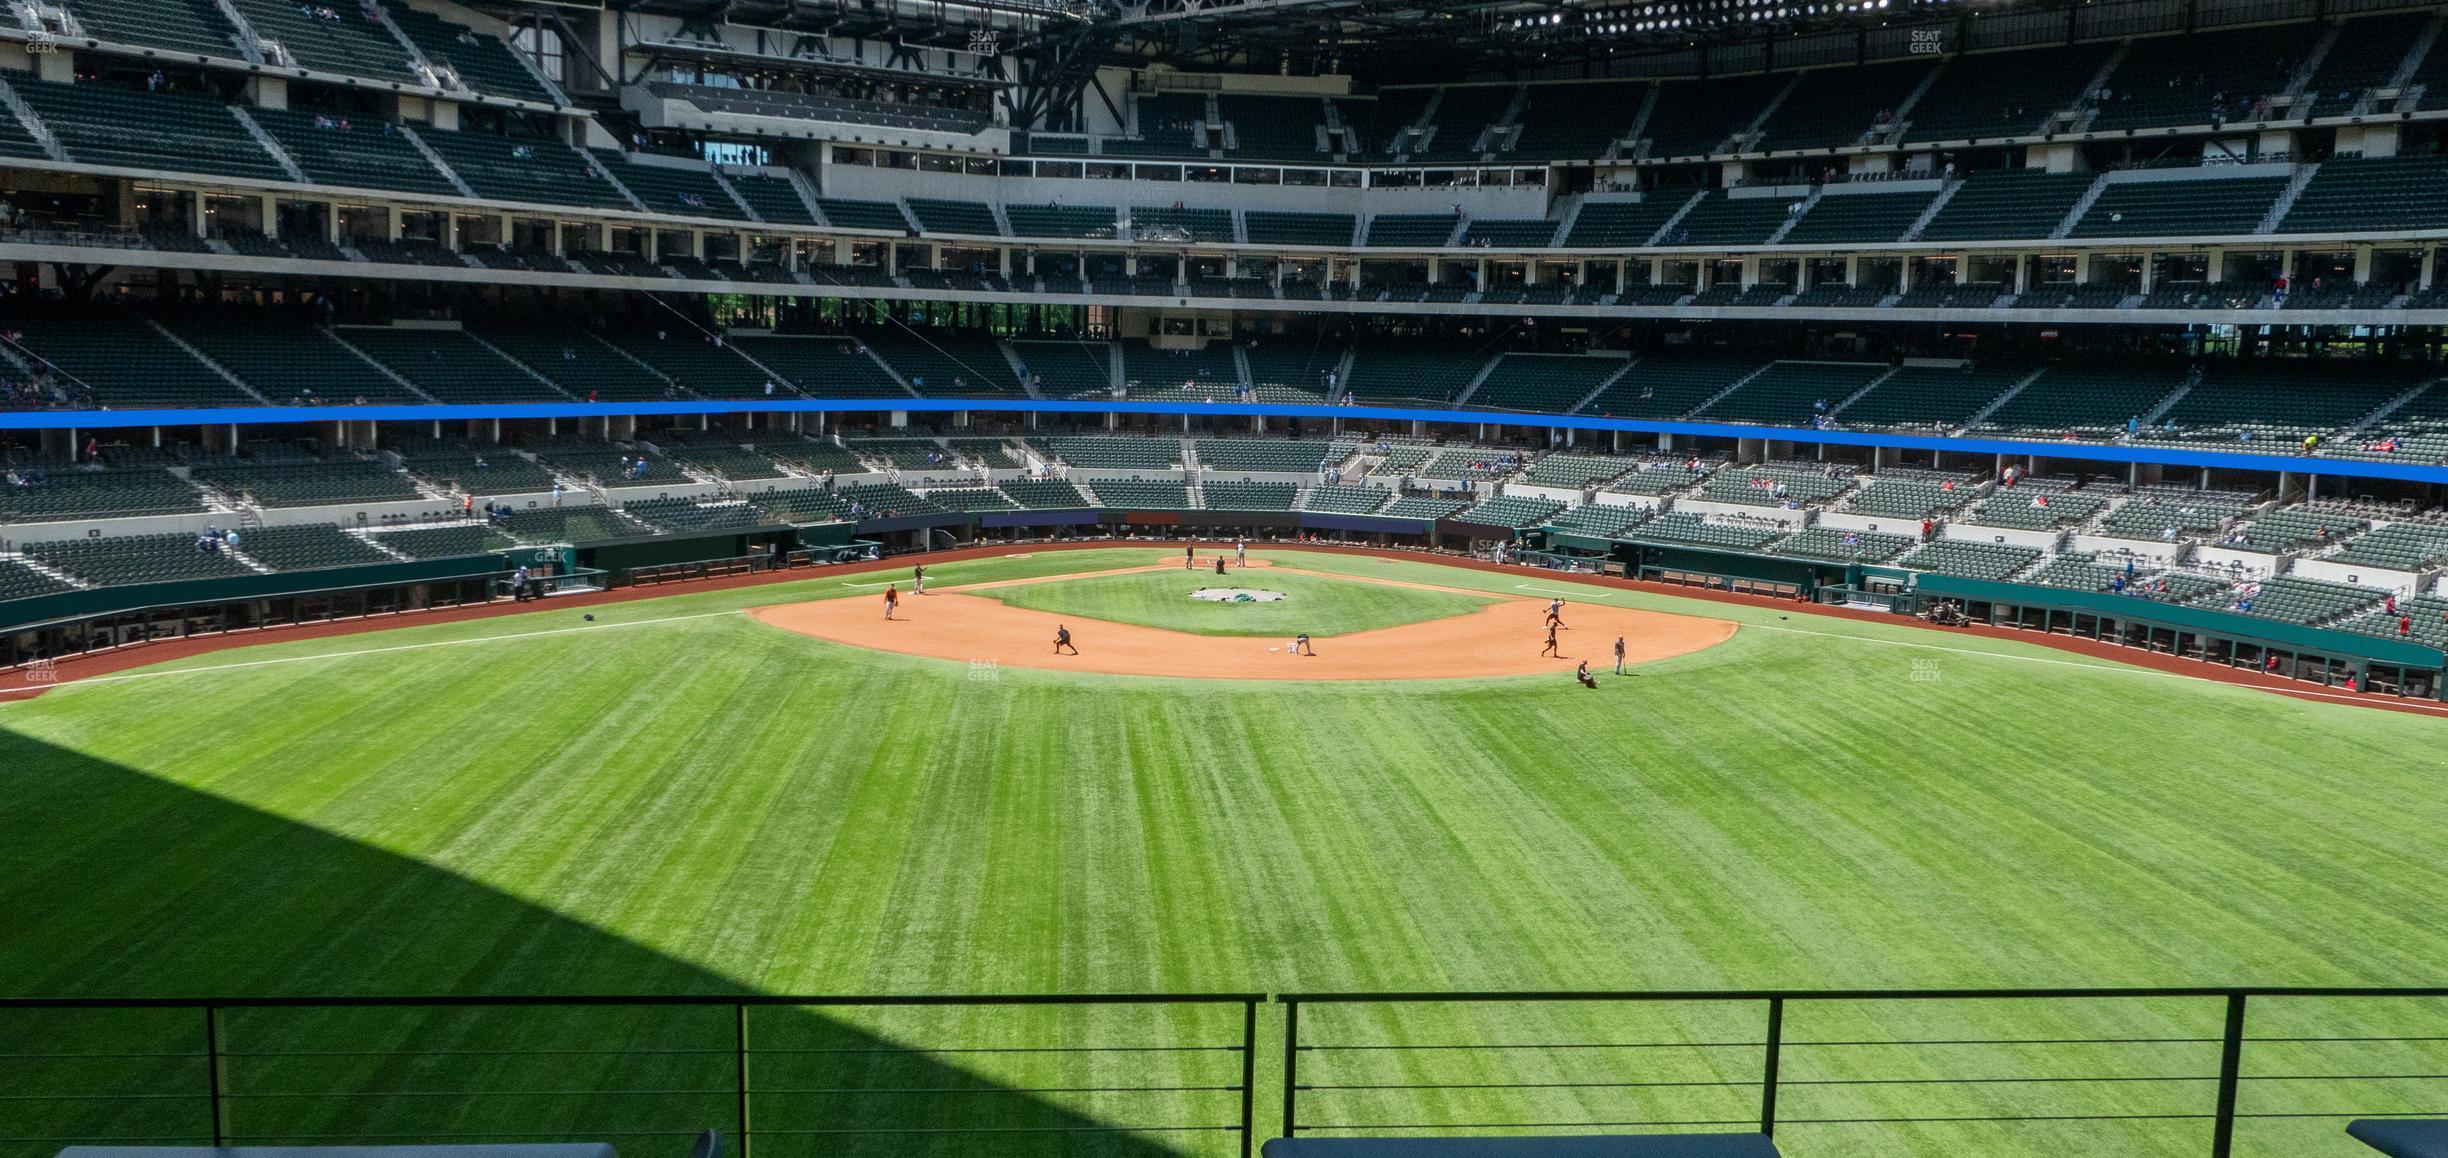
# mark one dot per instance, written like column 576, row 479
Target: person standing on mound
column 1582, row 673
column 1241, row 554
column 1550, row 649
column 892, row 599
column 1062, row 639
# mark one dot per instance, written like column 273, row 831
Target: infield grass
column 679, row 799
column 1322, row 605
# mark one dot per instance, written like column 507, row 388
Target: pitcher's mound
column 1504, row 638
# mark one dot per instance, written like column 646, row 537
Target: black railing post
column 1291, row 1065
column 1768, row 1065
column 212, row 1070
column 740, row 1026
column 2231, row 1067
column 1249, row 1073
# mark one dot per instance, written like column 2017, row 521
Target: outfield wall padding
column 94, row 601
column 2197, row 620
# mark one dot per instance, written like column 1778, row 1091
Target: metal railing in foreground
column 2218, row 1072
column 2152, row 1070
column 787, row 1076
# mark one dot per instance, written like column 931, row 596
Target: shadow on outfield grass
column 117, row 884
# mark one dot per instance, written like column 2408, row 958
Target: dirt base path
column 1504, row 638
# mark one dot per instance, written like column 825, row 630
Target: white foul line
column 146, row 675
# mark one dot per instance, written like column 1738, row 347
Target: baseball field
column 769, row 790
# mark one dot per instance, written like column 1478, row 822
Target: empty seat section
column 304, row 484
column 1858, row 217
column 1196, row 224
column 124, row 360
column 1510, row 233
column 1208, row 371
column 1045, row 494
column 2003, row 95
column 823, row 367
column 61, row 493
column 289, row 362
column 361, row 152
column 308, row 547
column 593, row 523
column 1609, row 224
column 2010, row 204
column 2176, row 80
column 825, row 107
column 2085, row 399
column 450, row 365
column 1236, row 495
column 1411, row 230
column 484, row 63
column 2178, row 208
column 1346, row 498
column 1685, row 527
column 578, row 362
column 100, row 123
column 696, row 363
column 687, row 190
column 2349, row 194
column 1461, row 121
column 1266, row 128
column 1068, row 369
column 1720, row 219
column 935, row 215
column 1542, row 382
column 1670, row 386
column 1291, row 370
column 1412, row 370
column 1272, row 455
column 19, row 581
column 947, row 363
column 1786, row 392
column 1168, row 127
column 1575, row 122
column 331, row 38
column 1970, row 560
column 1054, row 220
column 533, row 170
column 444, row 542
column 1269, row 228
column 191, row 26
column 1834, row 107
column 774, row 198
column 1921, row 396
column 136, row 559
column 1693, row 117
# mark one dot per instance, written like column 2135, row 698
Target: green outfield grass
column 1317, row 604
column 677, row 798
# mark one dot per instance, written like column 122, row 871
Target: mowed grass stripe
column 713, row 804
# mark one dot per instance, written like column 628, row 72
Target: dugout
column 1687, row 565
column 2319, row 655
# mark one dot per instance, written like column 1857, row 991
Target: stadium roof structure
column 1311, row 35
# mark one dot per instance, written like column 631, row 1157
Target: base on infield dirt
column 1502, row 639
